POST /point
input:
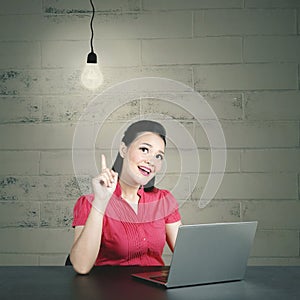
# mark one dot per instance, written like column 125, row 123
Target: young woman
column 127, row 220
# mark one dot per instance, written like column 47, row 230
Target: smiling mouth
column 145, row 171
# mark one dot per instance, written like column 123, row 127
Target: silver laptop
column 207, row 253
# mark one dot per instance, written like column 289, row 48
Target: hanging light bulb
column 91, row 76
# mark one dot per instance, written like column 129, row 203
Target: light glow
column 91, row 76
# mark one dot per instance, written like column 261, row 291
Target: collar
column 118, row 191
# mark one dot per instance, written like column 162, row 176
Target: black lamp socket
column 92, row 58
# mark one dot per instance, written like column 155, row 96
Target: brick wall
column 242, row 55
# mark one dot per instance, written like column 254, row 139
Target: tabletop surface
column 110, row 283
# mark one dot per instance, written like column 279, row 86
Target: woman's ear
column 122, row 149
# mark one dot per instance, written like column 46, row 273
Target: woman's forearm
column 87, row 244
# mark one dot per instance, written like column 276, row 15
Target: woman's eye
column 144, row 149
column 159, row 156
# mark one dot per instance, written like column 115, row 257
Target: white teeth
column 145, row 169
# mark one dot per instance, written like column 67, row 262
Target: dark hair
column 130, row 135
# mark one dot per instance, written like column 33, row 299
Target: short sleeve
column 174, row 215
column 82, row 210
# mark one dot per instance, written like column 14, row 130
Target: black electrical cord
column 92, row 57
column 91, row 25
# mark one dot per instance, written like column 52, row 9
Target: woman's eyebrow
column 149, row 145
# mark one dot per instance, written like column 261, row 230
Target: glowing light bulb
column 91, row 76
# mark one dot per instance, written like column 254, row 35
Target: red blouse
column 130, row 238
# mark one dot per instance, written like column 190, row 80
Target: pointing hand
column 103, row 186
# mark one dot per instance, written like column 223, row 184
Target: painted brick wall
column 242, row 56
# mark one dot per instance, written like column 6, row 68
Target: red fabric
column 129, row 238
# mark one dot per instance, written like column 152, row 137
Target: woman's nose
column 150, row 159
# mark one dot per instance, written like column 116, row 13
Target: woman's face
column 142, row 159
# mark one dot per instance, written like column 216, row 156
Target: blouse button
column 144, row 239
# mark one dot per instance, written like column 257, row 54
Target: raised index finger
column 103, row 162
